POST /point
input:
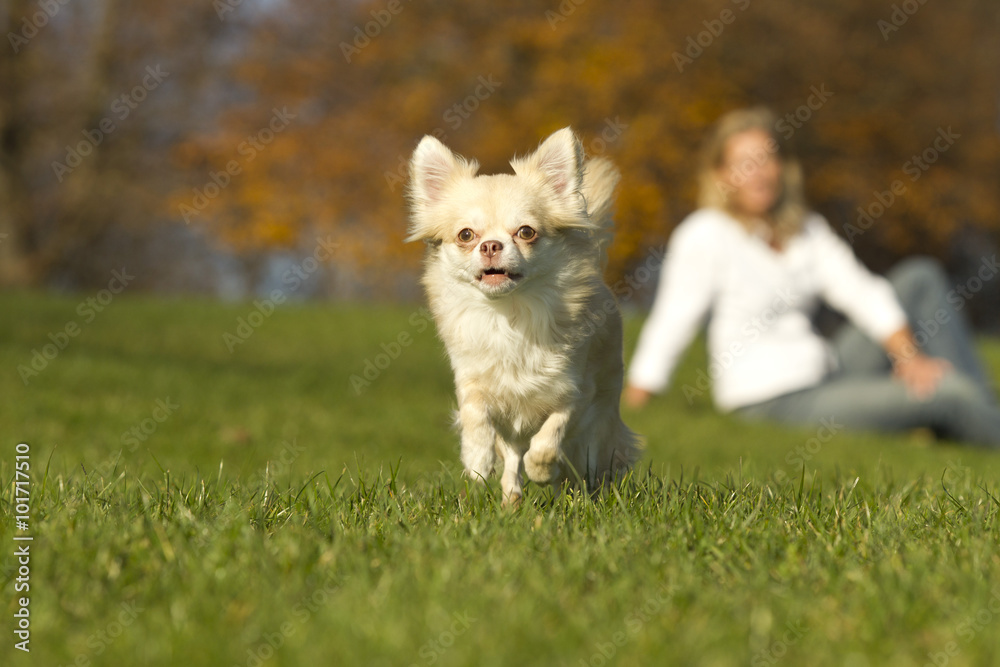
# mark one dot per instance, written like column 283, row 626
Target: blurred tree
column 283, row 123
column 640, row 82
column 92, row 92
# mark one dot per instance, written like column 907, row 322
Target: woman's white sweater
column 761, row 341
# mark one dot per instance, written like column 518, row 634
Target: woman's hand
column 921, row 374
column 636, row 398
column 918, row 372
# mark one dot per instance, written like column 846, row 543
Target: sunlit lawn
column 196, row 506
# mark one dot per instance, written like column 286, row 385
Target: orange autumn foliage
column 639, row 82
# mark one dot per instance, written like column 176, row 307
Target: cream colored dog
column 513, row 275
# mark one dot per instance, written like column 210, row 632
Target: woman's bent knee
column 918, row 271
column 957, row 390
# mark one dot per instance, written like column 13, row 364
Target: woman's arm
column 683, row 298
column 869, row 301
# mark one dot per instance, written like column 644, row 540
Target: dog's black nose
column 490, row 248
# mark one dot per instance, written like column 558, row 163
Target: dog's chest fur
column 511, row 355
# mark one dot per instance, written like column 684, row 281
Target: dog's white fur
column 536, row 347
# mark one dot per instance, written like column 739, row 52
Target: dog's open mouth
column 497, row 276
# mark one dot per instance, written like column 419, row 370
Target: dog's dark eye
column 526, row 233
column 466, row 235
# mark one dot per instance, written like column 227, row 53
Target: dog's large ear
column 432, row 169
column 559, row 163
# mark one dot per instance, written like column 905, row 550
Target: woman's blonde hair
column 789, row 210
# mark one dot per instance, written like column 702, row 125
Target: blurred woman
column 759, row 261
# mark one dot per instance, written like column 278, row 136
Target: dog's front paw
column 541, row 465
column 512, row 500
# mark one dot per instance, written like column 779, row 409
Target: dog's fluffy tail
column 600, row 180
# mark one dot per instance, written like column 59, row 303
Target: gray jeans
column 864, row 395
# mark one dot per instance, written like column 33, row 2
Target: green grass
column 278, row 517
